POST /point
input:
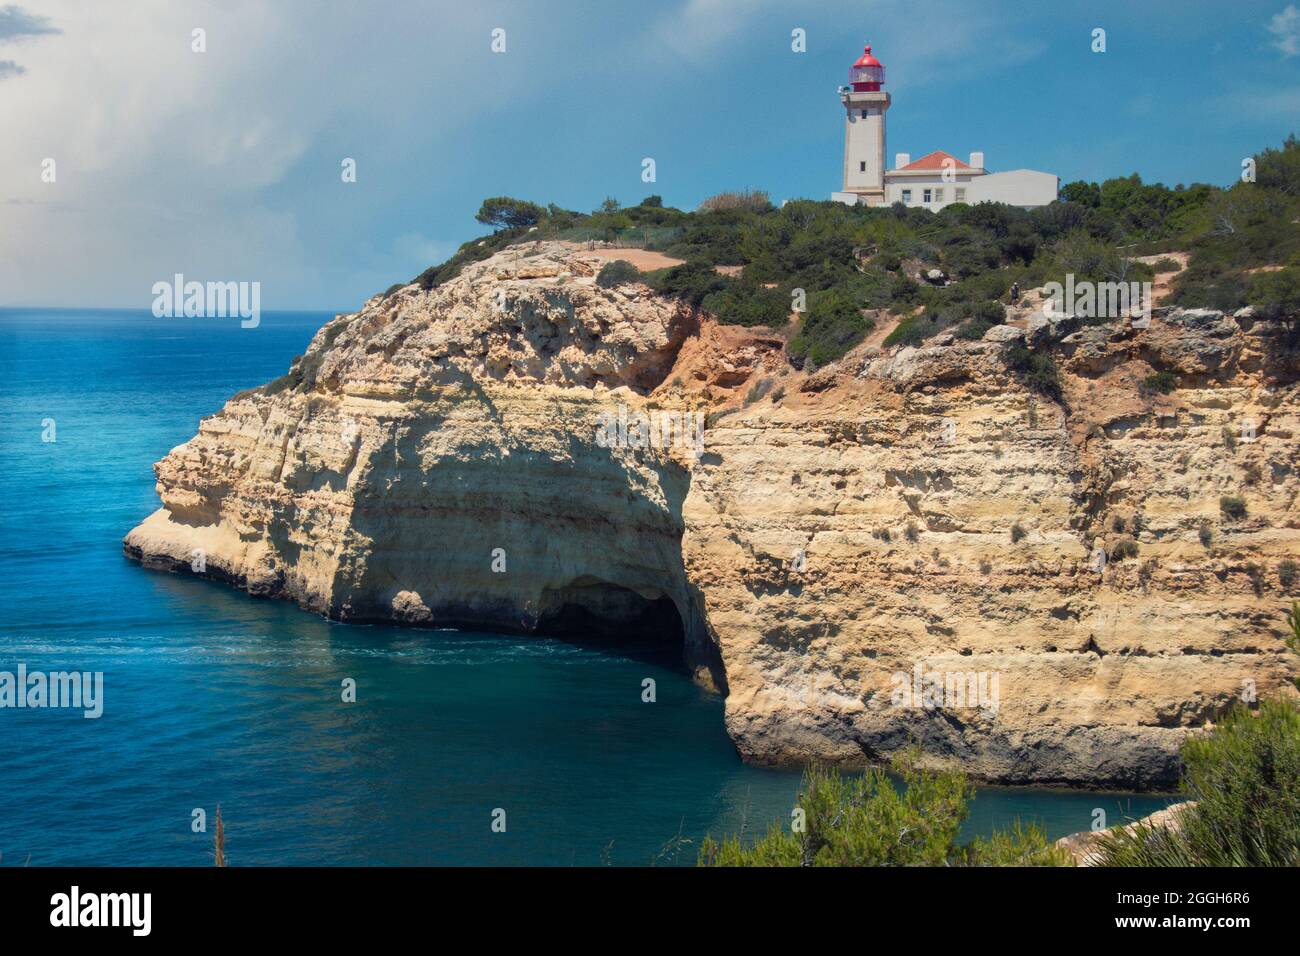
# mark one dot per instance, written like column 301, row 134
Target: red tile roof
column 936, row 160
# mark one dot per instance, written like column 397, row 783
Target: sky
column 226, row 164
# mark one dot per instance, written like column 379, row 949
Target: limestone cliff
column 841, row 538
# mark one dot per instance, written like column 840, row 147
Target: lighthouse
column 865, row 105
column 935, row 180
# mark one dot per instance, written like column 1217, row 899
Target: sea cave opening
column 597, row 613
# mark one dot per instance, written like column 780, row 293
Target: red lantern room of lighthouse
column 868, row 73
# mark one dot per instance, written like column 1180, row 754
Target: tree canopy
column 504, row 212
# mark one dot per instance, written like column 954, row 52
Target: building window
column 938, row 195
column 961, row 194
column 925, row 195
column 907, row 197
column 862, row 166
column 864, row 114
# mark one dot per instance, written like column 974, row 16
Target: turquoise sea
column 213, row 697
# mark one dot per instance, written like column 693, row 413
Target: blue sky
column 226, row 164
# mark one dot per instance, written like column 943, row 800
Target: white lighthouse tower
column 865, row 105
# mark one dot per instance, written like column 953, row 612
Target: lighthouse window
column 862, row 167
column 864, row 114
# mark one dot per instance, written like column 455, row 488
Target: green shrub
column 912, row 330
column 690, row 281
column 833, row 325
column 1017, row 532
column 1036, row 369
column 990, row 311
column 616, row 273
column 973, row 329
column 1233, row 507
column 901, row 292
column 1206, row 534
column 1287, row 572
column 1275, row 295
column 1244, row 777
column 1163, row 382
column 868, row 821
column 1146, row 571
column 1256, row 575
column 748, row 303
column 1211, row 287
column 1124, row 549
column 1166, row 265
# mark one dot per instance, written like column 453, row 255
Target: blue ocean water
column 213, row 697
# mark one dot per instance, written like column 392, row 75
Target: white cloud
column 170, row 161
column 1285, row 27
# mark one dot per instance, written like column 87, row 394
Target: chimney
column 977, row 160
column 901, row 160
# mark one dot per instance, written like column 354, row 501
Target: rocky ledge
column 899, row 548
column 1085, row 847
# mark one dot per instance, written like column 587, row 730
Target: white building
column 934, row 180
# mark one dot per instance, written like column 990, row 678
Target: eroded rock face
column 844, row 541
column 433, row 459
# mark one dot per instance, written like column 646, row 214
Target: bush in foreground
column 1245, row 781
column 868, row 821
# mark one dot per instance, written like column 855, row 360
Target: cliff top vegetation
column 851, row 261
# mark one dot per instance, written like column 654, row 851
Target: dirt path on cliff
column 646, row 260
column 1161, row 285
